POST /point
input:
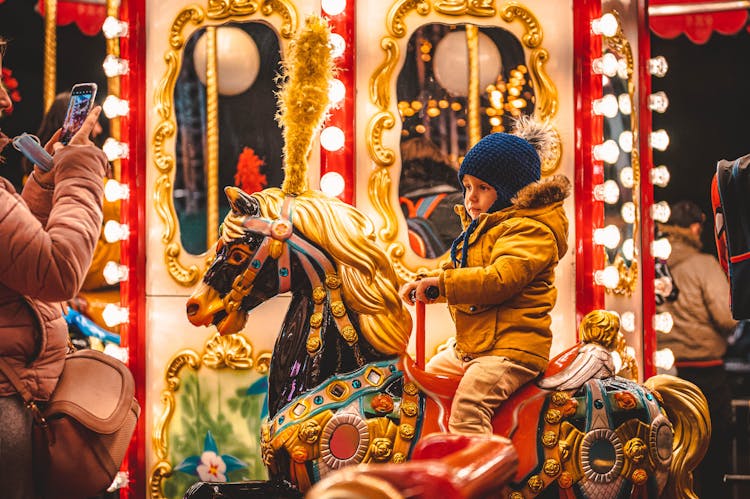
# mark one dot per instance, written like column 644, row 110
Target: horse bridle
column 278, row 243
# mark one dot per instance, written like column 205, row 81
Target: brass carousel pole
column 212, row 139
column 472, row 44
column 50, row 52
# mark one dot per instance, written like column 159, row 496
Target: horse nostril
column 192, row 309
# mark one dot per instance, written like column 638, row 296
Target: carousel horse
column 343, row 391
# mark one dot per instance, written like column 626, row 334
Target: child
column 499, row 284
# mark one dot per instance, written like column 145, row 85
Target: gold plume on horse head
column 303, row 99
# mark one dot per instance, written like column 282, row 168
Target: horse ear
column 240, row 201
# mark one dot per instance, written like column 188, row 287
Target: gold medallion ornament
column 551, row 467
column 381, row 449
column 309, row 431
column 299, row 454
column 316, row 320
column 639, row 476
column 565, row 481
column 338, row 309
column 549, row 439
column 333, row 281
column 410, row 389
column 319, row 295
column 409, row 409
column 349, row 334
column 535, row 483
column 635, row 449
column 560, row 398
column 553, row 416
column 313, row 344
column 398, row 458
column 406, row 431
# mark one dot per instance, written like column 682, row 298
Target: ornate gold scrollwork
column 380, row 184
column 220, row 352
column 216, row 10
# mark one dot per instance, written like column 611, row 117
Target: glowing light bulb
column 114, row 149
column 661, row 249
column 609, row 192
column 336, row 91
column 663, row 322
column 626, row 141
column 658, row 66
column 605, row 65
column 333, row 7
column 607, row 152
column 114, row 28
column 332, row 184
column 628, row 249
column 625, row 104
column 660, row 211
column 338, row 45
column 606, row 106
column 609, row 236
column 659, row 139
column 627, row 212
column 609, row 277
column 664, row 359
column 114, row 272
column 626, row 177
column 115, row 231
column 606, row 25
column 115, row 315
column 115, row 191
column 660, row 176
column 627, row 321
column 113, row 107
column 114, row 66
column 658, row 102
column 332, row 138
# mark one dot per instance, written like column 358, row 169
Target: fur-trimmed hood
column 541, row 201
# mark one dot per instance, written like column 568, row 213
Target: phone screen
column 81, row 102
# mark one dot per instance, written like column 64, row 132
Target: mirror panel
column 458, row 79
column 214, row 100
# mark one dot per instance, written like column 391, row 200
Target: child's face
column 479, row 195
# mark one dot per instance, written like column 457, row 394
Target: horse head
column 345, row 310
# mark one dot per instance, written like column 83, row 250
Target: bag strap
column 15, row 380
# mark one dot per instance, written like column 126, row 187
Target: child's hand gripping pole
column 432, row 292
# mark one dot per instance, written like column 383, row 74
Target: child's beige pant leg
column 446, row 362
column 487, row 383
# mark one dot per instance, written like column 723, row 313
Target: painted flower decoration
column 210, row 466
column 626, row 400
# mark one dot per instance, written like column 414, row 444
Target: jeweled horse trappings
column 343, row 391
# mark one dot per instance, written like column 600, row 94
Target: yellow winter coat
column 501, row 301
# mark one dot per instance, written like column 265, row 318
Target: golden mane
column 368, row 280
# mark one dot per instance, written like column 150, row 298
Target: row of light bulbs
column 114, row 231
column 609, row 192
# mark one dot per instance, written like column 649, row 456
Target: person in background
column 47, row 239
column 499, row 284
column 702, row 323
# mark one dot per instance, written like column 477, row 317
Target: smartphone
column 82, row 97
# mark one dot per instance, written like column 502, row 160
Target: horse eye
column 238, row 256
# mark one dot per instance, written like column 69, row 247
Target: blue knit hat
column 506, row 162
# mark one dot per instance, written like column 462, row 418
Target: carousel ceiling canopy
column 697, row 19
column 88, row 15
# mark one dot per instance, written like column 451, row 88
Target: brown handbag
column 82, row 433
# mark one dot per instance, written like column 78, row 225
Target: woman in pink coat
column 47, row 238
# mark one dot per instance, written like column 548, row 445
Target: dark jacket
column 47, row 238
